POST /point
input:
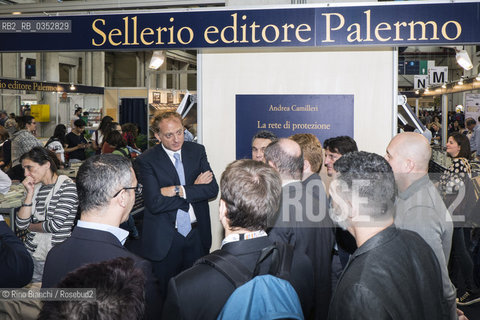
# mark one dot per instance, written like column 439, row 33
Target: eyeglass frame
column 138, row 189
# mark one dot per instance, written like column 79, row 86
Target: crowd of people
column 372, row 238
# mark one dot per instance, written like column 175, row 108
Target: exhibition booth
column 323, row 69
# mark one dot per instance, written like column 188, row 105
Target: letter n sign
column 438, row 75
column 420, row 81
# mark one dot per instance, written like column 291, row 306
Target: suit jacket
column 16, row 265
column 304, row 223
column 156, row 170
column 91, row 246
column 201, row 291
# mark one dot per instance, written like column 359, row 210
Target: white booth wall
column 368, row 74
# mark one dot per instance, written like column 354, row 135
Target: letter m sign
column 438, row 75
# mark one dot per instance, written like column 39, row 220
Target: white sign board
column 437, row 75
column 420, row 81
column 472, row 105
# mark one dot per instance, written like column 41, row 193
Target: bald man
column 419, row 206
column 299, row 224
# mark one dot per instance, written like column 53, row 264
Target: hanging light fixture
column 463, row 59
column 72, row 87
column 158, row 58
column 417, row 91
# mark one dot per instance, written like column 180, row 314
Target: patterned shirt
column 453, row 178
column 60, row 213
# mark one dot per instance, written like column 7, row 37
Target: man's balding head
column 408, row 154
column 286, row 157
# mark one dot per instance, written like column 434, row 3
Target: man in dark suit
column 302, row 220
column 178, row 183
column 16, row 265
column 106, row 186
column 250, row 197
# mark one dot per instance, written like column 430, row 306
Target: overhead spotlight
column 72, row 87
column 427, row 89
column 460, row 82
column 417, row 91
column 477, row 77
column 158, row 58
column 444, row 85
column 463, row 59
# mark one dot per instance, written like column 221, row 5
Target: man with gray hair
column 298, row 223
column 419, row 207
column 106, row 186
column 394, row 273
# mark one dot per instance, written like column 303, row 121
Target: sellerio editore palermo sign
column 389, row 24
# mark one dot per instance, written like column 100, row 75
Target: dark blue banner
column 373, row 25
column 325, row 116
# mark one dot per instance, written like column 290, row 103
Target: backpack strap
column 285, row 261
column 282, row 257
column 228, row 265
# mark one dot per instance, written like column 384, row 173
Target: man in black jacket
column 16, row 265
column 250, row 196
column 301, row 222
column 106, row 186
column 394, row 273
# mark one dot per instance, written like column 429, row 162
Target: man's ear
column 409, row 165
column 223, row 214
column 222, row 210
column 272, row 164
column 158, row 137
column 306, row 166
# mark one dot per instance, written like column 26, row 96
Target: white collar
column 119, row 233
column 243, row 236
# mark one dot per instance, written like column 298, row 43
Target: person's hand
column 168, row 191
column 461, row 315
column 204, row 178
column 28, row 184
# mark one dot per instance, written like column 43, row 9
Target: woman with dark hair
column 22, row 141
column 117, row 144
column 49, row 208
column 130, row 133
column 452, row 180
column 99, row 134
column 111, row 127
column 57, row 143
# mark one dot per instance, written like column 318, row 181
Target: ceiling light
column 158, row 57
column 16, row 12
column 417, row 91
column 72, row 87
column 444, row 85
column 478, row 77
column 460, row 82
column 463, row 59
column 426, row 89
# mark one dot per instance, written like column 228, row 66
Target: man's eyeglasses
column 138, row 189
